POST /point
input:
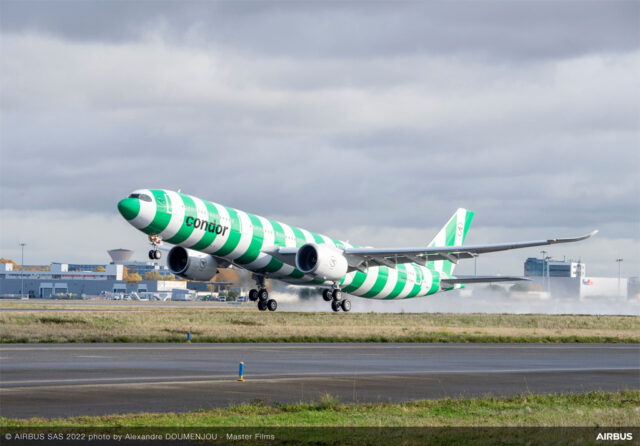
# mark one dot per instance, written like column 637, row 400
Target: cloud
column 384, row 123
column 520, row 31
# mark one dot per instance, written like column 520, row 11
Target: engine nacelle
column 192, row 265
column 322, row 260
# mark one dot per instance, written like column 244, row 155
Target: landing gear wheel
column 335, row 305
column 326, row 295
column 263, row 294
column 253, row 295
column 346, row 305
column 262, row 305
column 272, row 305
column 151, row 255
column 157, row 254
column 336, row 294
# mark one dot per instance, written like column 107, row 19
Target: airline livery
column 208, row 235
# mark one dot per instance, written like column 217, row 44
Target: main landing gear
column 155, row 253
column 262, row 296
column 337, row 302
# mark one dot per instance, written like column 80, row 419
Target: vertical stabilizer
column 452, row 234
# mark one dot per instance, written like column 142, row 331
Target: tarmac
column 55, row 380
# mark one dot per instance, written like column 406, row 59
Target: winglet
column 574, row 239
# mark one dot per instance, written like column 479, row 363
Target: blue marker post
column 241, row 372
column 188, row 337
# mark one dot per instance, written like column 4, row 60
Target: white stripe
column 177, row 215
column 284, row 270
column 369, row 281
column 220, row 239
column 426, row 277
column 411, row 281
column 289, row 236
column 307, row 236
column 348, row 279
column 392, row 279
column 267, row 243
column 201, row 214
column 459, row 227
column 147, row 210
column 427, row 281
column 327, row 240
column 246, row 235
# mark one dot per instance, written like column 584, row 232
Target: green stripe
column 419, row 276
column 161, row 219
column 234, row 233
column 300, row 240
column 317, row 238
column 450, row 240
column 278, row 233
column 185, row 231
column 273, row 266
column 402, row 281
column 296, row 274
column 467, row 223
column 256, row 242
column 358, row 280
column 209, row 237
column 381, row 281
column 435, row 281
column 338, row 243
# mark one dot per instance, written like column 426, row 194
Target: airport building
column 568, row 279
column 59, row 281
column 83, row 280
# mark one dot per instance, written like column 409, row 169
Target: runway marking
column 276, row 376
column 347, row 377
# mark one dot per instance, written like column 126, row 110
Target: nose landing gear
column 155, row 253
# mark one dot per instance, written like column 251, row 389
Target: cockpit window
column 142, row 197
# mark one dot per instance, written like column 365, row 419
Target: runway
column 52, row 380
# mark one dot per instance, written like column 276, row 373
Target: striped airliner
column 207, row 235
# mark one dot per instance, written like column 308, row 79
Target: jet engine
column 322, row 260
column 192, row 265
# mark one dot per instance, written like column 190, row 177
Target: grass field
column 588, row 409
column 112, row 322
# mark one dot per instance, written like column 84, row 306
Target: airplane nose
column 129, row 208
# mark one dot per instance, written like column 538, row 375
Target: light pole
column 619, row 270
column 22, row 271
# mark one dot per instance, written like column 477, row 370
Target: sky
column 367, row 121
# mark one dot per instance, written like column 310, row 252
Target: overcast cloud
column 368, row 121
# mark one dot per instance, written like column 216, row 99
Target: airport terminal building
column 61, row 280
column 71, row 280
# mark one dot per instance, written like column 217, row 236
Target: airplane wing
column 359, row 257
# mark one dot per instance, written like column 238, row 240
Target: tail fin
column 452, row 234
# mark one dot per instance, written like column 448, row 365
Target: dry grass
column 150, row 322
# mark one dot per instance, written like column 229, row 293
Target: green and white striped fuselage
column 245, row 240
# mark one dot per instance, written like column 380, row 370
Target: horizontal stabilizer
column 480, row 279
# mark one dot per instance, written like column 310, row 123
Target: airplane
column 208, row 235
